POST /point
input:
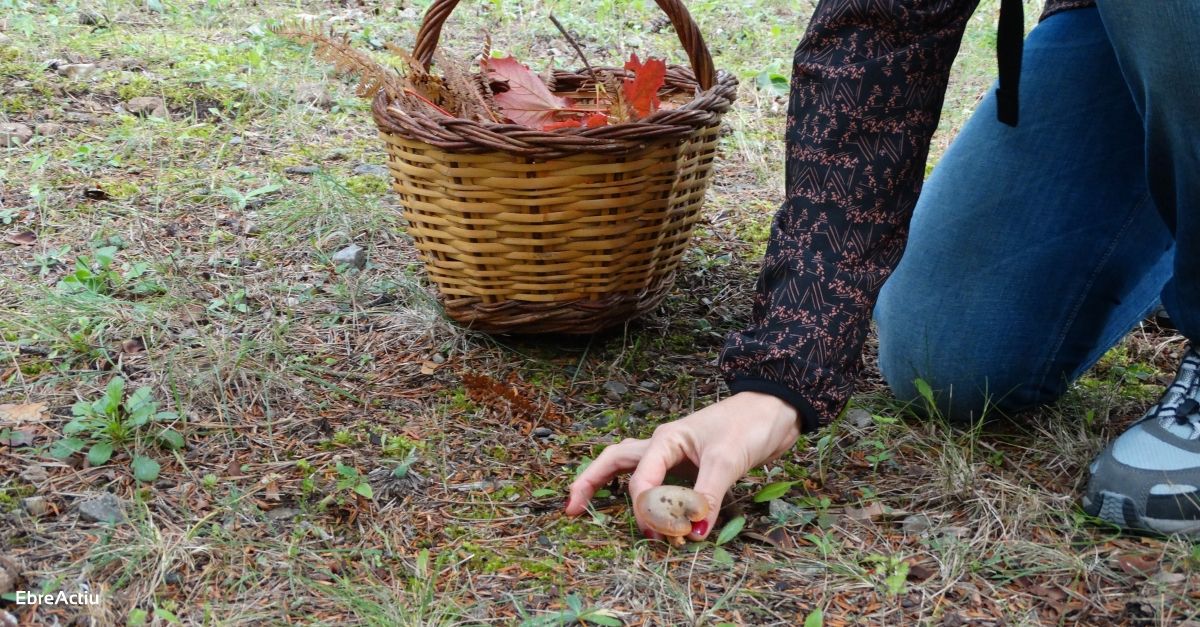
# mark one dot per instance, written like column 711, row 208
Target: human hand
column 720, row 443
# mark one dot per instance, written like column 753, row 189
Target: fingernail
column 700, row 528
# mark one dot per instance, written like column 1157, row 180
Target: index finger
column 614, row 459
column 660, row 456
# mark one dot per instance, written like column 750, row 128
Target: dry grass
column 296, row 381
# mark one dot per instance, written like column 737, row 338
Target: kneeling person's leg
column 1032, row 249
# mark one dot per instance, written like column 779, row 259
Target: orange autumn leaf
column 528, row 101
column 591, row 121
column 641, row 91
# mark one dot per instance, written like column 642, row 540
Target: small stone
column 35, row 474
column 615, row 387
column 639, row 408
column 91, row 18
column 301, row 169
column 860, row 418
column 283, row 513
column 13, row 134
column 916, row 524
column 8, row 620
column 78, row 71
column 783, row 510
column 82, row 117
column 35, row 505
column 172, row 578
column 370, row 168
column 649, row 386
column 352, row 255
column 151, row 106
column 438, row 358
column 542, row 432
column 8, row 575
column 103, row 508
column 49, row 129
column 314, row 94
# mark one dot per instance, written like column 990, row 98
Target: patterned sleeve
column 867, row 86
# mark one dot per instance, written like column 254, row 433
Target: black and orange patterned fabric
column 867, row 85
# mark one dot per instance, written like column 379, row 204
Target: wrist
column 773, row 409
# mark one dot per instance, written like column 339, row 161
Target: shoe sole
column 1119, row 510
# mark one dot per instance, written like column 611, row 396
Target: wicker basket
column 529, row 231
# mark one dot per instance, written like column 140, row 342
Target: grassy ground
column 338, row 467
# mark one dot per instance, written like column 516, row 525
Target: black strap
column 1010, row 37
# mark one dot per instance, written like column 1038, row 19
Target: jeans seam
column 1087, row 288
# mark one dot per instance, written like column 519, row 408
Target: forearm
column 867, row 88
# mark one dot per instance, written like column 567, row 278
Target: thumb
column 713, row 481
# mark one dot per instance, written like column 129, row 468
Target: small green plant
column 239, row 201
column 350, row 479
column 575, row 613
column 893, row 570
column 114, row 421
column 235, row 302
column 49, row 261
column 96, row 275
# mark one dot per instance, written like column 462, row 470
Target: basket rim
column 412, row 119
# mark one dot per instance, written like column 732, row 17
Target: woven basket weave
column 572, row 231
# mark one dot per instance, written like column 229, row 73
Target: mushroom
column 670, row 510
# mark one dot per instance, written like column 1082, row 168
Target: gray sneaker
column 1148, row 479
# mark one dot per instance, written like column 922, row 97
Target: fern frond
column 372, row 77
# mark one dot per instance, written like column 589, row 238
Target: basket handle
column 685, row 27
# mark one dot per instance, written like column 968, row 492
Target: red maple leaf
column 589, row 121
column 641, row 91
column 528, row 101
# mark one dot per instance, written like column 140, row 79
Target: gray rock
column 542, row 432
column 35, row 474
column 370, row 168
column 314, row 94
column 49, row 129
column 91, row 18
column 916, row 524
column 649, row 386
column 615, row 387
column 301, row 169
column 860, row 418
column 78, row 71
column 102, row 508
column 151, row 106
column 35, row 505
column 173, row 578
column 9, row 572
column 82, row 117
column 13, row 134
column 283, row 513
column 640, row 408
column 352, row 255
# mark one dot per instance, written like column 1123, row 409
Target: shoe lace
column 1182, row 399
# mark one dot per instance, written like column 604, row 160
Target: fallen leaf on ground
column 429, row 366
column 863, row 514
column 1138, row 565
column 24, row 238
column 28, row 412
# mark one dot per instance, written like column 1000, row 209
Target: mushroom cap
column 670, row 509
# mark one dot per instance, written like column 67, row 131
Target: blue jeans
column 1035, row 249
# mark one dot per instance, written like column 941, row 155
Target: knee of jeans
column 966, row 376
